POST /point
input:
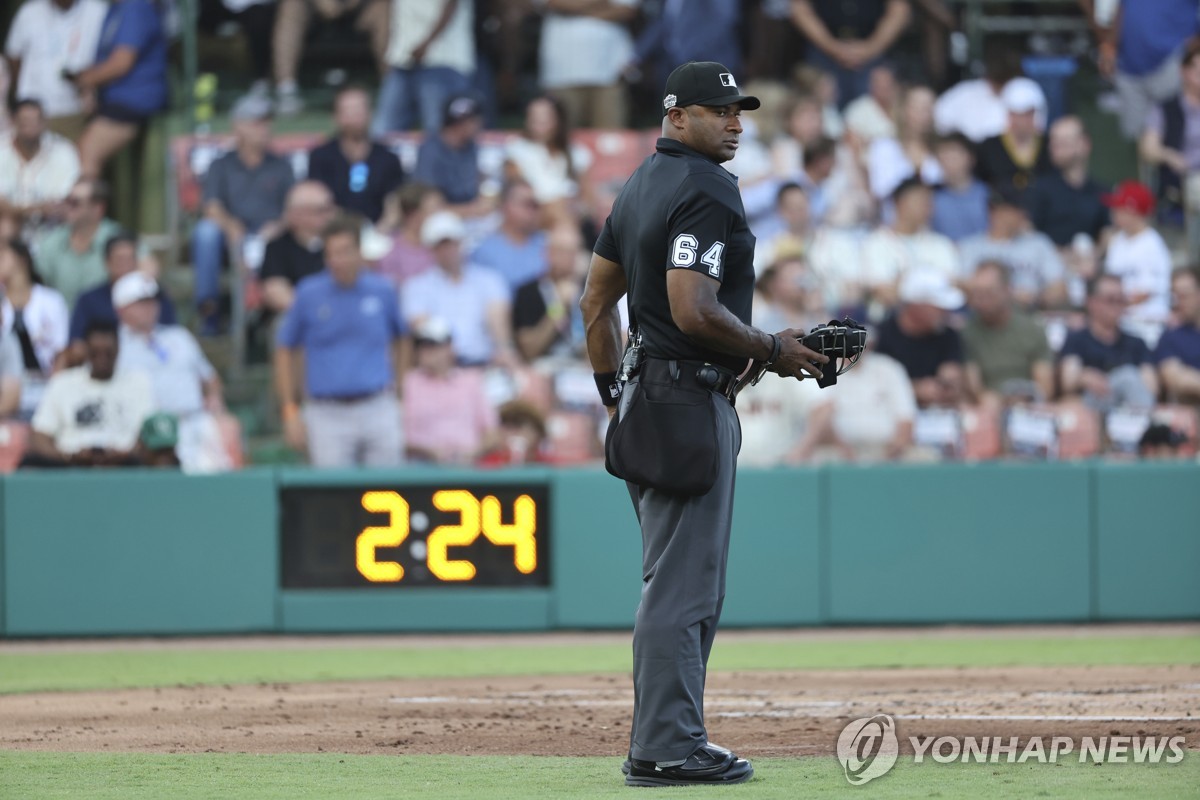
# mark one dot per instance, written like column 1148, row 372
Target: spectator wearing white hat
column 345, row 322
column 918, row 337
column 473, row 300
column 976, row 108
column 1014, row 159
column 184, row 382
column 447, row 412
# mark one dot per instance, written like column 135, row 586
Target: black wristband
column 776, row 346
column 609, row 388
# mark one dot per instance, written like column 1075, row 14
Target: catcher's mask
column 842, row 341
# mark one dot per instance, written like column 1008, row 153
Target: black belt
column 346, row 399
column 699, row 374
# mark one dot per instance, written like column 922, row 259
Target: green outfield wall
column 107, row 553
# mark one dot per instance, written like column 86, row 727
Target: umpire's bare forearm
column 697, row 312
column 602, row 322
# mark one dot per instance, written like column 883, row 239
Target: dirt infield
column 756, row 713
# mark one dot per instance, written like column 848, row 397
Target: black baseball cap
column 460, row 107
column 704, row 83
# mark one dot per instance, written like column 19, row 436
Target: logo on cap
column 727, row 80
column 669, row 101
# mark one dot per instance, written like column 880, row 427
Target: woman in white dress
column 544, row 157
column 36, row 315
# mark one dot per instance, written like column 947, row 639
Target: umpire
column 678, row 243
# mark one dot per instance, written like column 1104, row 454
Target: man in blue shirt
column 518, row 249
column 346, row 324
column 96, row 304
column 449, row 161
column 1108, row 367
column 1178, row 351
column 129, row 77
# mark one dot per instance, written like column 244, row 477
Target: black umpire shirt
column 680, row 210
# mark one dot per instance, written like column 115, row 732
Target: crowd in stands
column 423, row 308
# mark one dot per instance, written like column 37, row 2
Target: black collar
column 674, row 147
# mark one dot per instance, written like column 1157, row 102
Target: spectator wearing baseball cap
column 1014, row 159
column 96, row 304
column 184, row 383
column 472, row 300
column 449, row 160
column 158, row 440
column 448, row 416
column 974, row 107
column 1037, row 272
column 917, row 336
column 1161, row 442
column 244, row 195
column 1138, row 256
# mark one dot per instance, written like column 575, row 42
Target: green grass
column 99, row 776
column 168, row 666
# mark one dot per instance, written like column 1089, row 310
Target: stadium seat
column 572, row 437
column 1078, row 430
column 940, row 430
column 981, row 433
column 231, row 437
column 14, row 438
column 534, row 387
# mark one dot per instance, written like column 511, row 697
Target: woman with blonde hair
column 911, row 152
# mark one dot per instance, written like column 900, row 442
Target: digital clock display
column 476, row 535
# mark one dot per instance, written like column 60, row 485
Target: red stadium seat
column 534, row 387
column 231, row 437
column 1078, row 430
column 572, row 437
column 982, row 439
column 14, row 438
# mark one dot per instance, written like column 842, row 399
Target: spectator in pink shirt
column 408, row 257
column 448, row 416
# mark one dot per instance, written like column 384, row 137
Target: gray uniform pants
column 685, row 548
column 365, row 432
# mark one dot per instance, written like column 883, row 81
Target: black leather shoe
column 709, row 765
column 625, row 767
